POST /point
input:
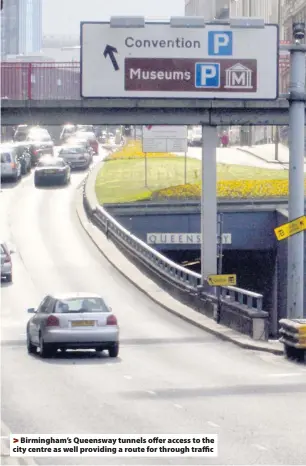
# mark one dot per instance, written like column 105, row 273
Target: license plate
column 83, row 323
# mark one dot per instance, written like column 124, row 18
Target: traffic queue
column 33, row 148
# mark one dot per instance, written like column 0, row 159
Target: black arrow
column 110, row 51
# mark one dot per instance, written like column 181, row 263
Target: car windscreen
column 76, row 305
column 51, row 163
column 39, row 136
column 85, row 135
column 20, row 136
column 5, row 157
column 72, row 150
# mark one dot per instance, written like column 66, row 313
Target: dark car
column 75, row 155
column 81, row 141
column 40, row 143
column 91, row 138
column 51, row 169
column 24, row 156
column 39, row 139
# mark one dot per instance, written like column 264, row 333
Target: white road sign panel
column 164, row 138
column 158, row 61
column 182, row 238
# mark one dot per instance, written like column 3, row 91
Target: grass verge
column 122, row 178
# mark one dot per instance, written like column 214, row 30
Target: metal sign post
column 220, row 257
column 295, row 289
column 209, row 203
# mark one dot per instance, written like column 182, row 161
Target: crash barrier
column 293, row 336
column 236, row 308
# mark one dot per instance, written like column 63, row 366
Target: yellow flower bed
column 133, row 150
column 229, row 189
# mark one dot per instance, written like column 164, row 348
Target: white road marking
column 288, row 374
column 260, row 447
column 212, row 424
column 128, row 377
column 151, row 392
column 178, row 406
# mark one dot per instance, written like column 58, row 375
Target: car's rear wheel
column 113, row 350
column 30, row 347
column 9, row 278
column 46, row 350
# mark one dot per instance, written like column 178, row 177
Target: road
column 170, row 377
column 232, row 156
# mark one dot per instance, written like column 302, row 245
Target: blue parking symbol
column 207, row 75
column 220, row 43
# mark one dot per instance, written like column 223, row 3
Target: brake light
column 35, row 151
column 7, row 259
column 52, row 321
column 13, row 165
column 111, row 320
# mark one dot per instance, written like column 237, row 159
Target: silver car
column 72, row 321
column 6, row 262
column 75, row 155
column 10, row 163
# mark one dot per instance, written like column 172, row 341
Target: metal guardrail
column 168, row 270
column 45, row 80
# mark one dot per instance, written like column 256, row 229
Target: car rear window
column 72, row 150
column 6, row 157
column 51, row 163
column 81, row 305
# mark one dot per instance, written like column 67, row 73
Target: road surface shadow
column 9, row 184
column 77, row 358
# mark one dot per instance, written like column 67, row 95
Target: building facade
column 21, row 27
column 221, row 9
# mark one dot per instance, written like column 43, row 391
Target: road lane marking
column 178, row 406
column 212, row 424
column 151, row 392
column 287, row 374
column 260, row 447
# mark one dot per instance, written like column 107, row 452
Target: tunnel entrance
column 254, row 269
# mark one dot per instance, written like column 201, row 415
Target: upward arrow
column 110, row 51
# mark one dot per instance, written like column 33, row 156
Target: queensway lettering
column 178, row 43
column 159, row 75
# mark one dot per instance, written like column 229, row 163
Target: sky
column 64, row 16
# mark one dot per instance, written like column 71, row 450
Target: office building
column 21, row 27
column 222, row 9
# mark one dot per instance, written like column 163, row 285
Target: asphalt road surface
column 170, row 377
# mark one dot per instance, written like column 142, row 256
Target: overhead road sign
column 222, row 280
column 127, row 57
column 164, row 138
column 291, row 228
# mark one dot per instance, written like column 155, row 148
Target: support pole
column 146, row 170
column 220, row 259
column 276, row 143
column 295, row 288
column 185, row 168
column 209, row 203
